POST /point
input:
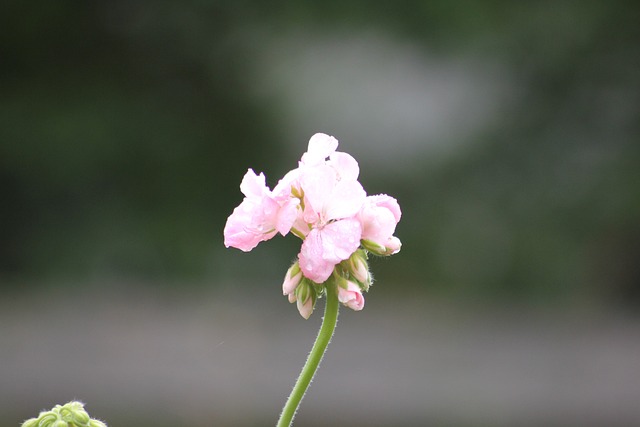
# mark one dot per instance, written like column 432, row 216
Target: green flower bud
column 31, row 422
column 81, row 418
column 71, row 414
column 46, row 419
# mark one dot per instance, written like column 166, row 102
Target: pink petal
column 393, row 245
column 345, row 200
column 320, row 147
column 253, row 185
column 382, row 200
column 312, row 263
column 287, row 215
column 283, row 189
column 378, row 224
column 379, row 217
column 243, row 229
column 252, row 222
column 317, row 183
column 325, row 247
column 346, row 166
column 340, row 239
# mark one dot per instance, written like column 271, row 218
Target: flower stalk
column 317, row 352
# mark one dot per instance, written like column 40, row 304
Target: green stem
column 319, row 347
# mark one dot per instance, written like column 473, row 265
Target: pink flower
column 350, row 295
column 321, row 202
column 332, row 199
column 260, row 215
column 379, row 216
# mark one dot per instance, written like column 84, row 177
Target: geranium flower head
column 321, row 202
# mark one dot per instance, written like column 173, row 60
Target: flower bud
column 305, row 309
column 358, row 268
column 350, row 294
column 373, row 247
column 292, row 279
column 305, row 298
column 32, row 422
column 292, row 297
column 47, row 419
column 392, row 246
column 80, row 418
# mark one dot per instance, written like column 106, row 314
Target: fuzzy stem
column 317, row 352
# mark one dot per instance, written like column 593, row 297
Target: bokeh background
column 508, row 131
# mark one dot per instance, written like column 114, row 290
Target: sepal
column 391, row 247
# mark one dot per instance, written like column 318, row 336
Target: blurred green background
column 508, row 131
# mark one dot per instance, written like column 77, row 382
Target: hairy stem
column 317, row 352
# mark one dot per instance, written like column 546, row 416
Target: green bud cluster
column 71, row 414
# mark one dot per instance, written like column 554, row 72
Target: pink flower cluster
column 321, row 202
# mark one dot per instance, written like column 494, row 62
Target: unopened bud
column 349, row 294
column 373, row 247
column 359, row 268
column 305, row 298
column 391, row 246
column 80, row 418
column 47, row 419
column 292, row 297
column 292, row 279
